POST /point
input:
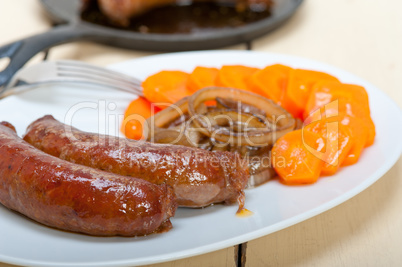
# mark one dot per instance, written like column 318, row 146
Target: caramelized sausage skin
column 120, row 11
column 199, row 177
column 76, row 198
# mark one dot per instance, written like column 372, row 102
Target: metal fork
column 72, row 72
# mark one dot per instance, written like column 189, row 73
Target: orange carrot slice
column 293, row 157
column 326, row 91
column 355, row 109
column 359, row 134
column 338, row 142
column 357, row 127
column 202, row 77
column 292, row 108
column 351, row 108
column 270, row 82
column 166, row 87
column 370, row 126
column 234, row 76
column 135, row 115
column 301, row 83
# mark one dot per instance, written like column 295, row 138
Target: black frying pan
column 72, row 28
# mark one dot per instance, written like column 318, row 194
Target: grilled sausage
column 199, row 177
column 120, row 11
column 76, row 198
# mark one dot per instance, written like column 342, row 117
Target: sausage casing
column 199, row 177
column 76, row 198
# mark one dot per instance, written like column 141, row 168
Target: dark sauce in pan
column 192, row 18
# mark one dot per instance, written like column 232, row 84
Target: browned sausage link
column 76, row 198
column 120, row 11
column 199, row 177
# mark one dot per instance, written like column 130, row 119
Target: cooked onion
column 277, row 121
column 157, row 126
column 171, row 126
column 231, row 104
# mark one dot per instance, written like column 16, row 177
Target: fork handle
column 23, row 50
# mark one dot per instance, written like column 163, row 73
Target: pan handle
column 23, row 50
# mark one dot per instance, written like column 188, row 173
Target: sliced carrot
column 370, row 126
column 351, row 108
column 270, row 82
column 355, row 109
column 360, row 135
column 293, row 158
column 301, row 83
column 338, row 142
column 202, row 77
column 292, row 108
column 234, row 76
column 357, row 127
column 135, row 115
column 326, row 91
column 166, row 87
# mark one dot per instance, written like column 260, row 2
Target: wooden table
column 360, row 36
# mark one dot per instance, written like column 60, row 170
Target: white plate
column 199, row 231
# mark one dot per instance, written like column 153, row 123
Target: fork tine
column 101, row 76
column 71, row 71
column 89, row 73
column 102, row 71
column 123, row 89
column 101, row 81
column 83, row 79
column 104, row 76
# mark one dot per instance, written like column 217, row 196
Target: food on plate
column 259, row 121
column 358, row 133
column 347, row 104
column 301, row 83
column 135, row 115
column 166, row 87
column 351, row 100
column 234, row 76
column 198, row 177
column 324, row 92
column 239, row 121
column 309, row 96
column 270, row 82
column 293, row 160
column 76, row 198
column 338, row 141
column 121, row 11
column 202, row 77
